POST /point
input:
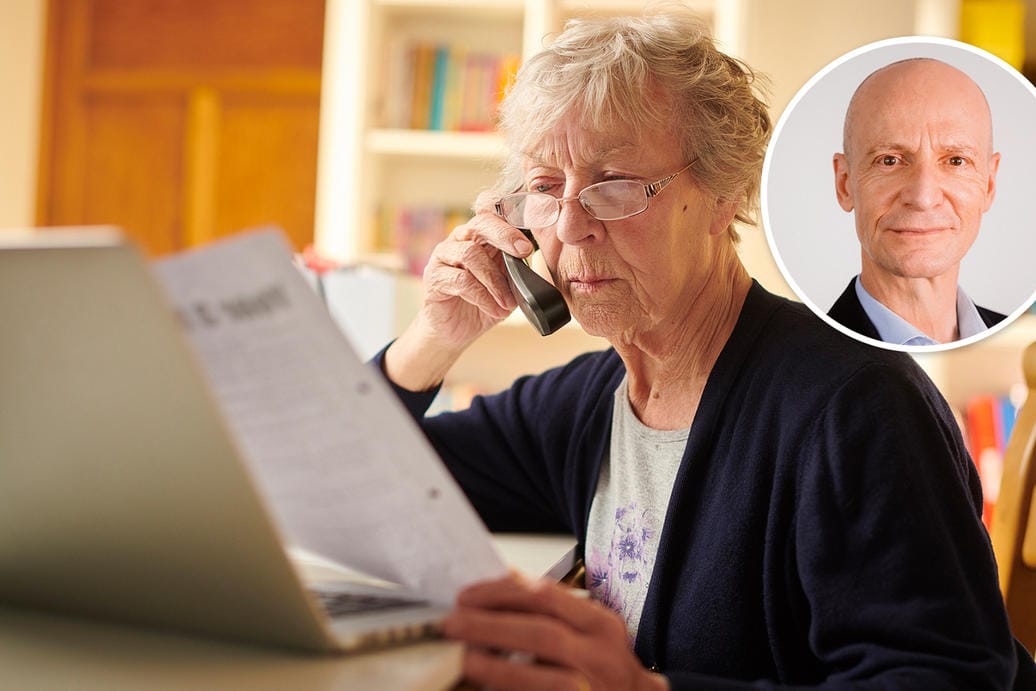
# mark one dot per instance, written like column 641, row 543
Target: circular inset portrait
column 897, row 194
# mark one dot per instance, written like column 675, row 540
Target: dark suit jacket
column 848, row 312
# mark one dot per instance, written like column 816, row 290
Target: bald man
column 918, row 172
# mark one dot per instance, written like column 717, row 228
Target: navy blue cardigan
column 824, row 527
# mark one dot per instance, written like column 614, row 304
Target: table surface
column 47, row 651
column 42, row 651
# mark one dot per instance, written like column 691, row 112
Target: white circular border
column 764, row 189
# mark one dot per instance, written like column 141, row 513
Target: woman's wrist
column 416, row 361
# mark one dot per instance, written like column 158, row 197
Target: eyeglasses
column 611, row 200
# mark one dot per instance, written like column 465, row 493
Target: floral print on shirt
column 620, row 578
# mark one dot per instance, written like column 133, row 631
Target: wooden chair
column 1014, row 522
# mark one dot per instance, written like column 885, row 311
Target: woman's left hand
column 539, row 635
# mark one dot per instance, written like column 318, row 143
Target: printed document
column 345, row 470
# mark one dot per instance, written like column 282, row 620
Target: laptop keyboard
column 338, row 604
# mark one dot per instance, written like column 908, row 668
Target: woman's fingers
column 466, row 289
column 447, row 282
column 506, row 673
column 539, row 635
column 479, row 261
column 544, row 622
column 490, row 229
column 541, row 596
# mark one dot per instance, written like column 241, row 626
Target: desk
column 45, row 651
column 41, row 651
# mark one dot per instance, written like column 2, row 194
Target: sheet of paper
column 344, row 469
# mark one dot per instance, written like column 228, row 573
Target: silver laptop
column 122, row 494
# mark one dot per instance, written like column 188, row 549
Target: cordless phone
column 541, row 302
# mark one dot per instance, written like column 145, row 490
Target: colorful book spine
column 436, row 109
column 989, row 421
column 424, row 78
column 444, row 88
column 395, row 97
column 505, row 78
column 453, row 100
column 1008, row 413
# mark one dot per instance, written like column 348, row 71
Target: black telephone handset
column 541, row 302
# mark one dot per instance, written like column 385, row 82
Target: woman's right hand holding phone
column 465, row 292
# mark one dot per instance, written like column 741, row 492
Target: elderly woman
column 759, row 498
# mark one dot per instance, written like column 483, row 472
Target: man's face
column 918, row 170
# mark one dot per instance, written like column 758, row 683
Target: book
column 423, row 61
column 394, row 99
column 443, row 87
column 454, row 89
column 989, row 420
column 438, row 100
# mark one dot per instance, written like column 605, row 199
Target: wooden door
column 181, row 120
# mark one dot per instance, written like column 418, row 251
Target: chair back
column 1014, row 522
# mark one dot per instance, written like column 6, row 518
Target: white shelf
column 389, row 261
column 624, row 7
column 446, row 145
column 503, row 8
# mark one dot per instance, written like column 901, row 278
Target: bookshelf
column 373, row 148
column 367, row 142
column 447, row 146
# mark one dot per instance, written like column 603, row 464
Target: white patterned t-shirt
column 628, row 510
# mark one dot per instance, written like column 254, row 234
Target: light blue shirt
column 894, row 329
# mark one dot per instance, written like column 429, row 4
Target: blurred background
column 356, row 125
column 364, row 129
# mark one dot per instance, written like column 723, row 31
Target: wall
column 792, row 39
column 22, row 25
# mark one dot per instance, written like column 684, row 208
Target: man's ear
column 994, row 165
column 845, row 197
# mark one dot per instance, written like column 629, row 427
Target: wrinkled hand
column 465, row 293
column 538, row 635
column 465, row 284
